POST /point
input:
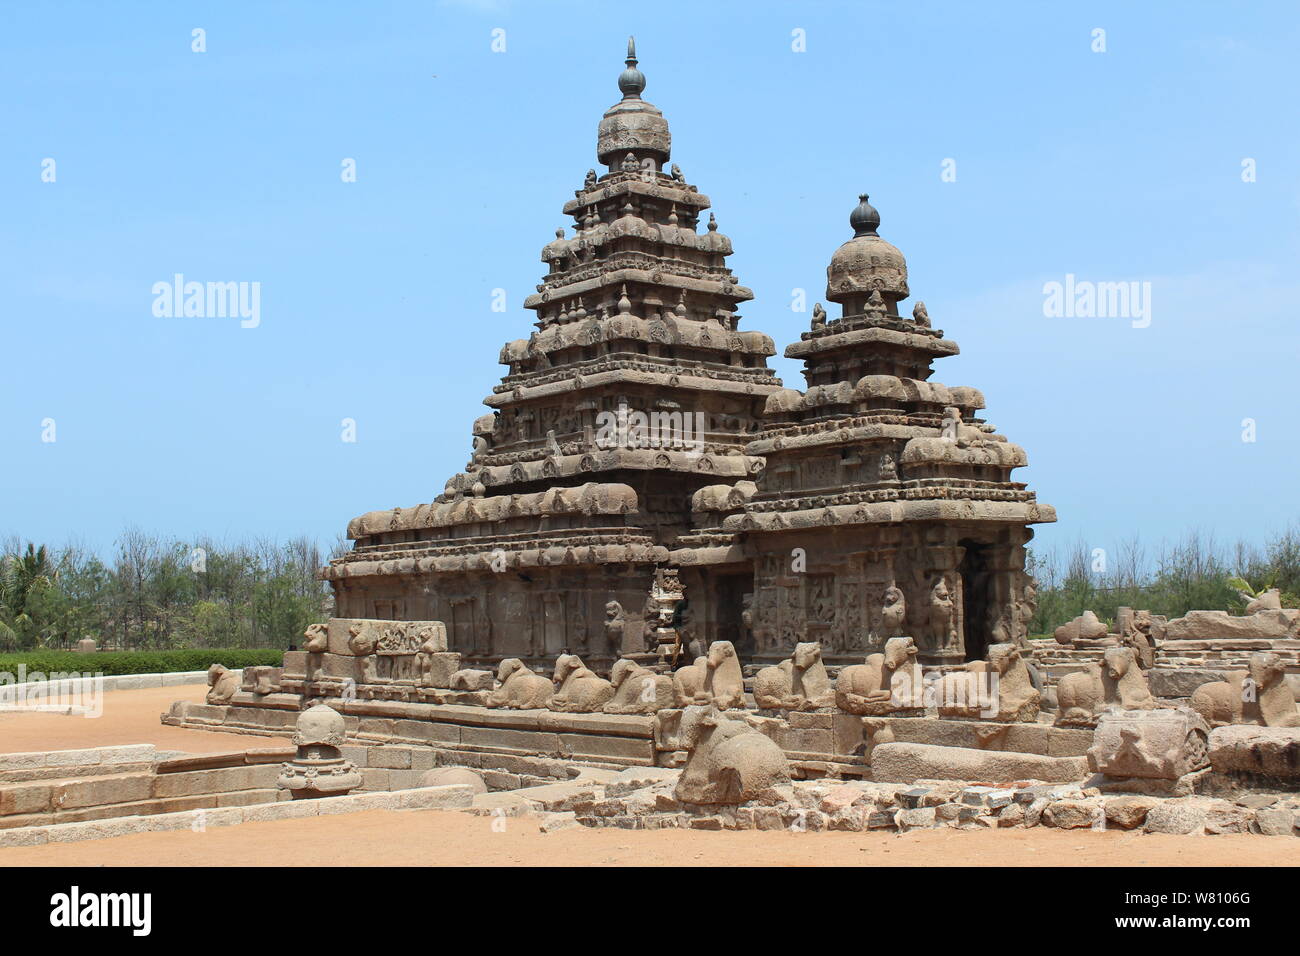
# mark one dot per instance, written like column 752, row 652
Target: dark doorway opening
column 975, row 582
column 730, row 591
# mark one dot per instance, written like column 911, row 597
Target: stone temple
column 638, row 436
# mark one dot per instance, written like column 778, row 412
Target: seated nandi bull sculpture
column 520, row 688
column 870, row 689
column 716, row 676
column 1119, row 683
column 800, row 683
column 223, row 684
column 638, row 690
column 579, row 690
column 1266, row 699
column 969, row 693
column 729, row 761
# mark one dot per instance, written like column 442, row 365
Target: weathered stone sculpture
column 1087, row 626
column 869, row 688
column 799, row 683
column 1273, row 695
column 1119, row 684
column 894, row 612
column 729, row 761
column 1260, row 695
column 638, row 690
column 520, row 688
column 968, row 693
column 615, row 624
column 316, row 639
column 722, row 682
column 223, row 684
column 688, row 681
column 1159, row 744
column 579, row 690
column 318, row 769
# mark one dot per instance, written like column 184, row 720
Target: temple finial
column 631, row 81
column 864, row 219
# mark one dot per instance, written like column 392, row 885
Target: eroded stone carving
column 638, row 690
column 1118, row 683
column 729, row 761
column 520, row 688
column 969, row 693
column 799, row 683
column 1260, row 695
column 884, row 683
column 223, row 684
column 1161, row 744
column 579, row 690
column 1086, row 627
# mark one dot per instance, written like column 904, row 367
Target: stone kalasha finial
column 631, row 81
column 864, row 219
column 318, row 769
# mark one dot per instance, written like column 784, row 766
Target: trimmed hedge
column 111, row 663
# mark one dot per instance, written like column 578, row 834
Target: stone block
column 223, row 780
column 284, row 810
column 96, row 791
column 1176, row 816
column 1278, row 821
column 24, row 836
column 438, row 668
column 1129, row 812
column 392, row 758
column 426, row 730
column 1181, row 681
column 1154, row 744
column 25, row 798
column 1273, row 751
column 1073, row 814
column 518, row 741
column 446, row 797
column 622, row 748
column 907, row 763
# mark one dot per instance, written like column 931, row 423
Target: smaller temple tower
column 887, row 506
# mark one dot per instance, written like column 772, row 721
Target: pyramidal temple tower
column 637, row 388
column 638, row 429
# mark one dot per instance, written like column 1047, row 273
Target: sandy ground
column 441, row 838
column 129, row 717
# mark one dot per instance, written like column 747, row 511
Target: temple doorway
column 730, row 590
column 975, row 582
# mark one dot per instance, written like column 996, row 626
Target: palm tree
column 20, row 577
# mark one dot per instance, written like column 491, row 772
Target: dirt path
column 442, row 838
column 129, row 717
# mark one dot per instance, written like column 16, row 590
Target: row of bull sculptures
column 1003, row 688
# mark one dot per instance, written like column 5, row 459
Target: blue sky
column 1123, row 165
